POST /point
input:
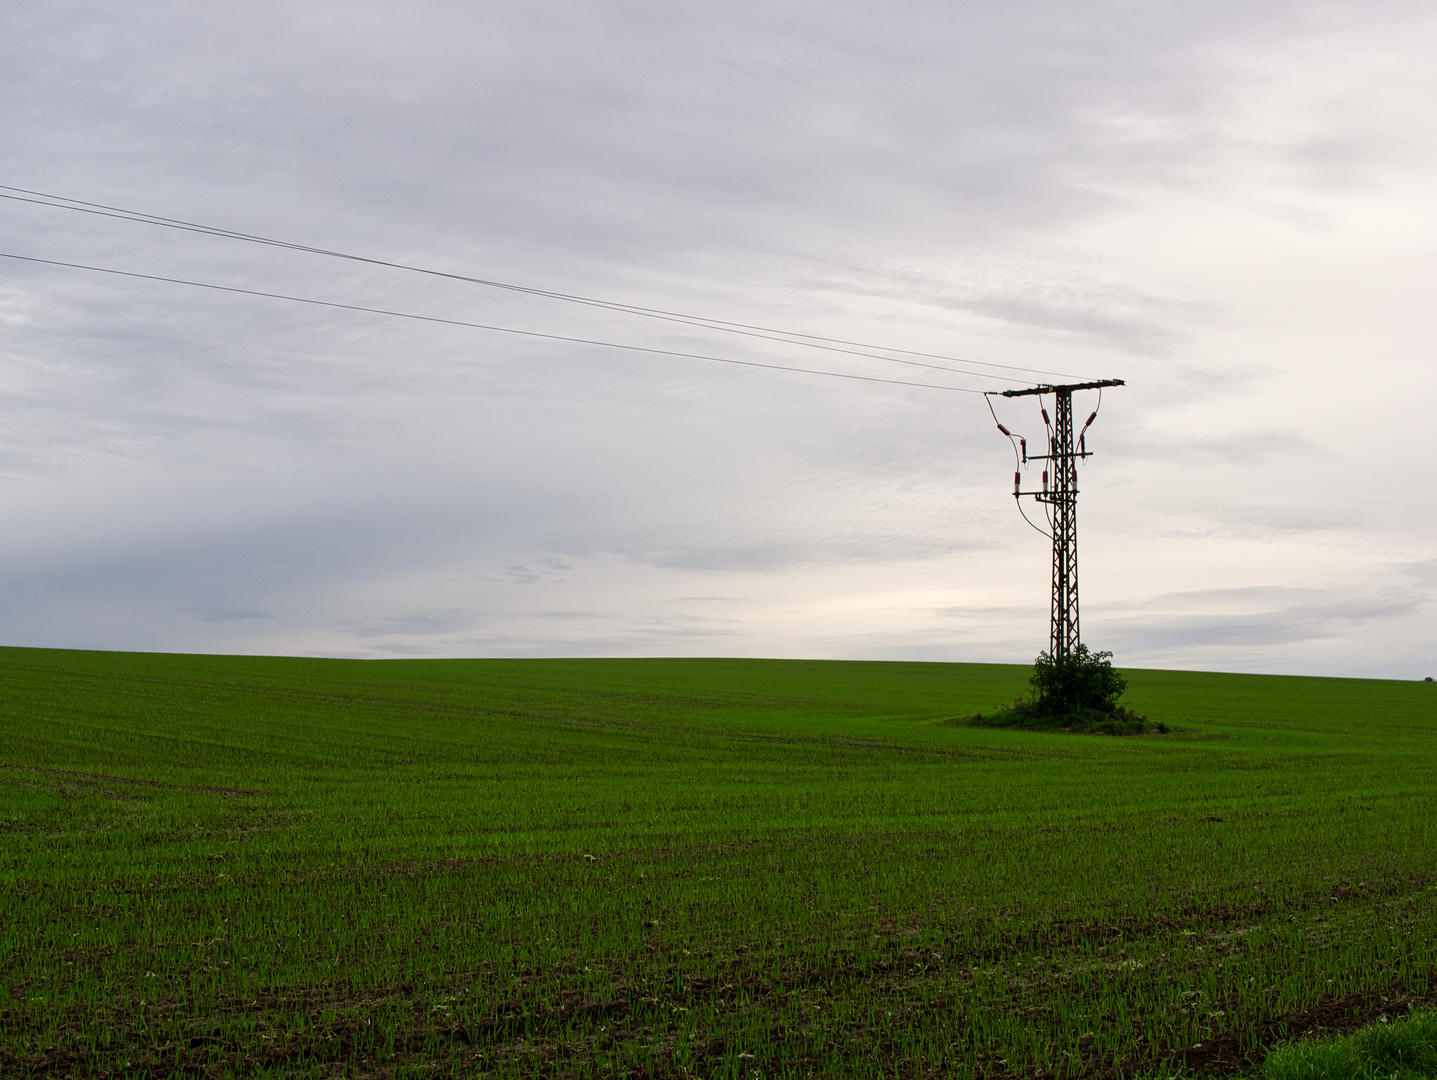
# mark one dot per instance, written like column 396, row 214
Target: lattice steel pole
column 1060, row 494
column 1063, row 498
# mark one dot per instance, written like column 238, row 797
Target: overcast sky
column 1229, row 205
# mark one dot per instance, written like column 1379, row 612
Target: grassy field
column 711, row 868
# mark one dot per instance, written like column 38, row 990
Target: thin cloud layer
column 1226, row 206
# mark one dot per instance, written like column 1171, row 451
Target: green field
column 714, row 868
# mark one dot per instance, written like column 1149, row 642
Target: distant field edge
column 636, row 661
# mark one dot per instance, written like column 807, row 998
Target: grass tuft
column 1400, row 1050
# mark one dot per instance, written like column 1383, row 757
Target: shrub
column 1078, row 692
column 1080, row 681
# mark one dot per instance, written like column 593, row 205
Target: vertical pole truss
column 1060, row 496
column 1063, row 498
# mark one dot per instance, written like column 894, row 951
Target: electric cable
column 1089, row 422
column 1035, row 528
column 750, row 330
column 1017, row 460
column 485, row 326
column 1018, row 463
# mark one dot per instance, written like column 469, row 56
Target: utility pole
column 1060, row 495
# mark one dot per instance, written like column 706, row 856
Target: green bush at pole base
column 1078, row 692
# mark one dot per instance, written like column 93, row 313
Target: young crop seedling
column 247, row 866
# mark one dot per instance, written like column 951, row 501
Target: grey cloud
column 420, row 623
column 184, row 468
column 706, row 124
column 1273, row 616
column 1147, row 336
column 1053, row 296
column 1252, row 448
column 518, row 575
column 650, row 635
column 997, row 613
column 779, row 552
column 227, row 613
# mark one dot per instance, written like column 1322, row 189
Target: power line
column 790, row 337
column 785, row 336
column 485, row 326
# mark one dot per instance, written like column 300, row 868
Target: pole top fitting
column 1068, row 388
